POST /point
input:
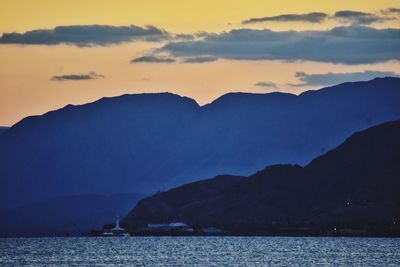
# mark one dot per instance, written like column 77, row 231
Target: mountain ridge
column 215, row 101
column 152, row 142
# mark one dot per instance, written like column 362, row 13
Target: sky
column 59, row 52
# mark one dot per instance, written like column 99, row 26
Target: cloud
column 203, row 34
column 357, row 17
column 391, row 10
column 184, row 36
column 346, row 16
column 153, row 59
column 266, row 84
column 85, row 35
column 201, row 59
column 348, row 45
column 77, row 77
column 314, row 17
column 336, row 78
column 164, row 59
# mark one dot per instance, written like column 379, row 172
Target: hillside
column 355, row 184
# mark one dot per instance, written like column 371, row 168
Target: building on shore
column 116, row 231
column 170, row 227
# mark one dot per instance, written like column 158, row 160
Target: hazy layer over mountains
column 65, row 215
column 147, row 142
column 356, row 183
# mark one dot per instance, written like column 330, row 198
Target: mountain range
column 149, row 142
column 354, row 184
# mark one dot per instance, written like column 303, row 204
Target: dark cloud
column 348, row 45
column 77, row 77
column 390, row 10
column 153, row 59
column 357, row 17
column 86, row 35
column 314, row 17
column 266, row 84
column 347, row 16
column 185, row 36
column 201, row 59
column 336, row 78
column 203, row 34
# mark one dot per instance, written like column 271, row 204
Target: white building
column 116, row 231
column 174, row 226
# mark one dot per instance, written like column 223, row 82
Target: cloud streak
column 266, row 85
column 77, row 77
column 358, row 18
column 85, row 35
column 201, row 59
column 345, row 16
column 153, row 59
column 391, row 10
column 313, row 17
column 336, row 78
column 347, row 45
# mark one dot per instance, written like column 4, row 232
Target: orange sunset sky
column 200, row 49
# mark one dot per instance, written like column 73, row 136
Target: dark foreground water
column 200, row 251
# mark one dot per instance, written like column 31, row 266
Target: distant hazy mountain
column 61, row 215
column 357, row 183
column 146, row 142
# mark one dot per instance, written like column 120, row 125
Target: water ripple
column 200, row 251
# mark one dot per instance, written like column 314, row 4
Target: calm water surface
column 200, row 251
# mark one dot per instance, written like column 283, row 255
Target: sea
column 200, row 251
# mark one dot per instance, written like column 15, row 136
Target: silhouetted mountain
column 3, row 129
column 147, row 142
column 357, row 183
column 74, row 215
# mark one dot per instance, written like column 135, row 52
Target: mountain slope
column 147, row 142
column 356, row 183
column 3, row 129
